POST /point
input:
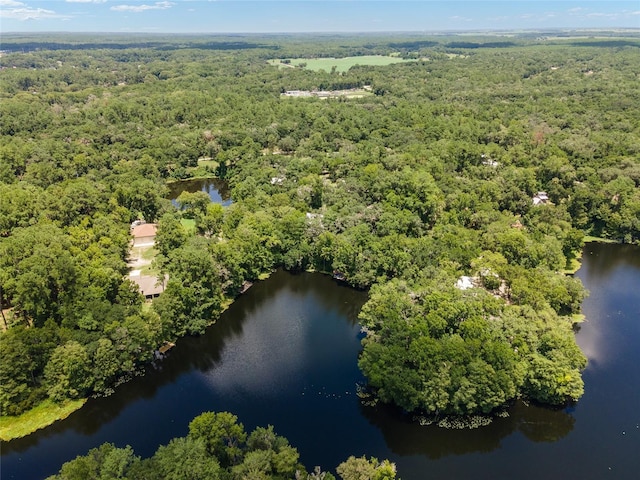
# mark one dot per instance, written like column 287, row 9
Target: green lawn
column 149, row 253
column 590, row 238
column 341, row 64
column 39, row 417
column 149, row 270
column 189, row 224
column 573, row 266
column 212, row 164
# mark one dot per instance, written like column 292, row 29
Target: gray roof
column 148, row 284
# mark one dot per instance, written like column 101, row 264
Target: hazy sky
column 225, row 16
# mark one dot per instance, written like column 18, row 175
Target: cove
column 285, row 354
column 217, row 189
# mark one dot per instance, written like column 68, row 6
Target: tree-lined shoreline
column 430, row 179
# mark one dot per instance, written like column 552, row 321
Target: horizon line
column 344, row 32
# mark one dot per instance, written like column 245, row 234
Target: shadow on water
column 202, row 353
column 406, row 437
column 285, row 354
column 602, row 262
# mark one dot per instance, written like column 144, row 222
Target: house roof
column 144, row 230
column 148, row 284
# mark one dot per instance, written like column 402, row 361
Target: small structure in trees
column 540, row 198
column 144, row 234
column 246, row 285
column 149, row 285
column 465, row 283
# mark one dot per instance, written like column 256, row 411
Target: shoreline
column 12, row 427
column 48, row 412
column 575, row 264
column 41, row 416
column 171, row 181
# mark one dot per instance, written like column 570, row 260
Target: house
column 540, row 198
column 144, row 234
column 149, row 285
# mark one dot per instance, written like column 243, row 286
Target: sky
column 266, row 16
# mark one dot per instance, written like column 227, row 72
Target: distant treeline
column 487, row 167
column 37, row 46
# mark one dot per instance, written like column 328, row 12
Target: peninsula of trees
column 217, row 447
column 459, row 191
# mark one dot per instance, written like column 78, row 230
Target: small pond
column 217, row 189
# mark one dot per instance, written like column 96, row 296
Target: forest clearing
column 339, row 65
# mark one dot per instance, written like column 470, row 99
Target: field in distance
column 340, row 64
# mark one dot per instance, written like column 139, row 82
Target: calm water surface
column 218, row 190
column 285, row 354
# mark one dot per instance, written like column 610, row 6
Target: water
column 285, row 354
column 218, row 190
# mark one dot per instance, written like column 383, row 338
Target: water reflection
column 285, row 353
column 217, row 189
column 608, row 301
column 405, row 437
column 601, row 262
column 287, row 337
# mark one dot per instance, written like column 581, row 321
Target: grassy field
column 208, row 163
column 589, row 238
column 206, row 167
column 39, row 417
column 341, row 64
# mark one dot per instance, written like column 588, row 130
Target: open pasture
column 341, row 64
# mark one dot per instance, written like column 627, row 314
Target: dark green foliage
column 184, row 458
column 437, row 352
column 170, row 235
column 193, row 295
column 67, row 374
column 217, row 447
column 222, row 435
column 105, row 461
column 456, row 353
column 429, row 178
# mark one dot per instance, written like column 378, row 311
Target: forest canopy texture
column 457, row 187
column 217, row 447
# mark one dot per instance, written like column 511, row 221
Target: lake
column 285, row 354
column 218, row 190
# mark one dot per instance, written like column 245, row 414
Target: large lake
column 285, row 354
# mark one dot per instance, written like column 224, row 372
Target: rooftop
column 144, row 230
column 149, row 285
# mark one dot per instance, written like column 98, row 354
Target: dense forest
column 217, row 447
column 426, row 182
